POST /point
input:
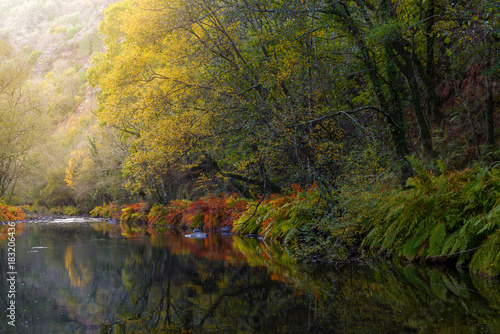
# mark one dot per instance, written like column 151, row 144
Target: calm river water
column 85, row 276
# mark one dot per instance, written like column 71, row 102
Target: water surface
column 82, row 276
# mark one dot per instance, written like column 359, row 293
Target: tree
column 21, row 119
column 264, row 93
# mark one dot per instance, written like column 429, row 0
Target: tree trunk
column 490, row 107
column 395, row 116
column 406, row 67
column 429, row 76
column 391, row 105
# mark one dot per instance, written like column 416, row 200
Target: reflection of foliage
column 212, row 248
column 378, row 298
column 430, row 300
column 271, row 255
column 79, row 275
column 221, row 284
column 132, row 230
column 109, row 231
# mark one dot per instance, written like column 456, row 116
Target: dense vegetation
column 309, row 112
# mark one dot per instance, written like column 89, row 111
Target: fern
column 486, row 260
column 443, row 216
column 11, row 213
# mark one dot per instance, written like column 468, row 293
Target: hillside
column 56, row 40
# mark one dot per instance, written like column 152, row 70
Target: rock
column 197, row 235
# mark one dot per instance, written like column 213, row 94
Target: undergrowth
column 112, row 210
column 10, row 213
column 303, row 221
column 209, row 212
column 453, row 216
column 282, row 217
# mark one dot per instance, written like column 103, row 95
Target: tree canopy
column 258, row 95
column 198, row 97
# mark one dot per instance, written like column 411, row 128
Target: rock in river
column 197, row 235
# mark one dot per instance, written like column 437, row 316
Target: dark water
column 93, row 277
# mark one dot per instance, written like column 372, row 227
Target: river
column 80, row 275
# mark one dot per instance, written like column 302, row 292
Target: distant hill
column 53, row 31
column 56, row 39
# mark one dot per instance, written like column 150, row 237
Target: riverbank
column 448, row 217
column 445, row 217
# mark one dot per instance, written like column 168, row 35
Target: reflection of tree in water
column 417, row 299
column 176, row 284
column 172, row 292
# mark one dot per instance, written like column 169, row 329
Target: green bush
column 113, row 211
column 441, row 217
column 70, row 211
column 73, row 30
column 304, row 222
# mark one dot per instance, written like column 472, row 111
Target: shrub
column 11, row 213
column 486, row 261
column 134, row 213
column 112, row 211
column 70, row 211
column 440, row 217
column 284, row 217
column 208, row 212
column 161, row 215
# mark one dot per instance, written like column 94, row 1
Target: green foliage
column 113, row 211
column 33, row 57
column 278, row 217
column 444, row 216
column 166, row 216
column 251, row 220
column 486, row 260
column 293, row 215
column 70, row 210
column 73, row 30
column 67, row 210
column 304, row 222
column 55, row 192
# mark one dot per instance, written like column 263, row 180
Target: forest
column 343, row 129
